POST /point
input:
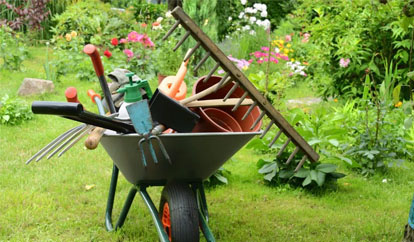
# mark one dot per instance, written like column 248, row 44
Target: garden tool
column 75, row 111
column 140, row 115
column 233, row 73
column 99, row 70
column 174, row 86
column 94, row 137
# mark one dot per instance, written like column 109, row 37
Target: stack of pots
column 222, row 119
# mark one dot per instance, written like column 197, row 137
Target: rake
column 232, row 73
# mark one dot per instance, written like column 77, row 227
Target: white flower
column 157, row 27
column 238, row 29
column 266, row 24
column 247, row 27
column 264, row 14
column 278, row 51
column 249, row 10
column 243, row 2
column 252, row 19
column 384, row 180
column 252, row 32
column 227, row 36
column 159, row 19
column 230, row 18
column 168, row 14
column 241, row 15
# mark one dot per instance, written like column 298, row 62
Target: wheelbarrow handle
column 76, row 112
column 57, row 108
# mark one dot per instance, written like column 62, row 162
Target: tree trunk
column 174, row 3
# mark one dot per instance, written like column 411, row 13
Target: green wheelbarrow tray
column 194, row 156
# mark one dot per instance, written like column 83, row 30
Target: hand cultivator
column 181, row 159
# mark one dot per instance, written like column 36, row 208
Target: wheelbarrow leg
column 198, row 189
column 154, row 214
column 111, row 199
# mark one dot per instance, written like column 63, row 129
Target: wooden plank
column 244, row 82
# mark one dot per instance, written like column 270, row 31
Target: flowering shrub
column 250, row 18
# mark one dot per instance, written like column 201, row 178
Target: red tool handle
column 96, row 59
column 92, row 94
column 71, row 95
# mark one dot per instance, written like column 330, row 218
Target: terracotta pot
column 160, row 78
column 216, row 120
column 220, row 94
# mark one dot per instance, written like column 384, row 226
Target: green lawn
column 47, row 201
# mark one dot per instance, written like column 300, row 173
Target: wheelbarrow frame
column 125, row 154
column 197, row 187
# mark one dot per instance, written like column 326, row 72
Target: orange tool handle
column 92, row 94
column 71, row 95
column 96, row 59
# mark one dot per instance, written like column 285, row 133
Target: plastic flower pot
column 220, row 94
column 216, row 120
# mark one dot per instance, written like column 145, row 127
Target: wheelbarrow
column 183, row 207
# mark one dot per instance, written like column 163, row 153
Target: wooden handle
column 218, row 103
column 96, row 59
column 92, row 94
column 199, row 95
column 94, row 137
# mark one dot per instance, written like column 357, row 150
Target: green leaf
column 367, row 86
column 257, row 144
column 337, row 175
column 396, row 94
column 284, row 174
column 221, row 178
column 307, row 181
column 327, row 168
column 408, row 122
column 6, row 117
column 314, row 175
column 320, row 180
column 334, row 142
column 314, row 141
column 268, row 168
column 270, row 176
column 302, row 173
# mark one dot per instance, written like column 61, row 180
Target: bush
column 348, row 38
column 93, row 21
column 14, row 111
column 12, row 50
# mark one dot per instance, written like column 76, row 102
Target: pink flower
column 123, row 41
column 265, row 48
column 305, row 37
column 133, row 36
column 283, row 57
column 129, row 53
column 146, row 41
column 273, row 59
column 288, row 38
column 344, row 62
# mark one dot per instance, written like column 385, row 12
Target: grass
column 48, row 201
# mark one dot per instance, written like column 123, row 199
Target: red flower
column 107, row 53
column 144, row 25
column 114, row 41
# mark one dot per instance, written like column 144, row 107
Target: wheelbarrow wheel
column 179, row 213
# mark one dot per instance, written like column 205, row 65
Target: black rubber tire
column 183, row 212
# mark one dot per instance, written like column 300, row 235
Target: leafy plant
column 12, row 50
column 218, row 178
column 29, row 13
column 277, row 171
column 14, row 111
